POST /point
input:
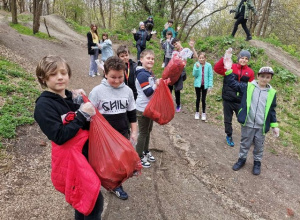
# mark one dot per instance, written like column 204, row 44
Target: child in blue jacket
column 257, row 114
column 203, row 74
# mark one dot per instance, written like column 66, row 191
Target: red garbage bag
column 161, row 108
column 71, row 173
column 174, row 69
column 111, row 155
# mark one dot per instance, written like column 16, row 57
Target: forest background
column 208, row 22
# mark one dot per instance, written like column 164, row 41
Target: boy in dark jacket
column 232, row 99
column 257, row 114
column 54, row 105
column 242, row 15
column 130, row 75
column 149, row 23
column 141, row 37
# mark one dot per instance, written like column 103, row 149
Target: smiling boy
column 231, row 98
column 115, row 101
column 257, row 114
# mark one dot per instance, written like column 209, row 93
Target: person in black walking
column 241, row 15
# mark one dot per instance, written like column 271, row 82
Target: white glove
column 276, row 132
column 153, row 32
column 227, row 59
column 166, row 25
column 88, row 108
column 133, row 31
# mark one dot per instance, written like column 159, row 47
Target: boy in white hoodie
column 115, row 101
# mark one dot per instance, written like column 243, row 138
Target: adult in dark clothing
column 242, row 14
column 141, row 36
column 93, row 50
column 149, row 24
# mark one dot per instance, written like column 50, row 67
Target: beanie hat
column 244, row 53
column 266, row 69
column 141, row 23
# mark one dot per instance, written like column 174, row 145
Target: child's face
column 58, row 80
column 142, row 27
column 148, row 61
column 169, row 36
column 263, row 79
column 115, row 77
column 243, row 61
column 124, row 57
column 104, row 37
column 202, row 59
column 177, row 45
column 170, row 24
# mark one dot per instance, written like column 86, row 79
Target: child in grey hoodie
column 257, row 114
column 115, row 101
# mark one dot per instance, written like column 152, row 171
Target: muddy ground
column 192, row 178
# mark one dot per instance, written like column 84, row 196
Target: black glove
column 231, row 11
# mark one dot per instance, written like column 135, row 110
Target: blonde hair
column 146, row 52
column 48, row 65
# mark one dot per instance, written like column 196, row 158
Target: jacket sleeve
column 136, row 36
column 51, row 124
column 90, row 40
column 196, row 70
column 145, row 85
column 219, row 67
column 234, row 84
column 273, row 119
column 148, row 36
column 106, row 43
column 210, row 77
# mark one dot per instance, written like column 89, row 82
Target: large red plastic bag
column 174, row 69
column 71, row 173
column 111, row 155
column 161, row 108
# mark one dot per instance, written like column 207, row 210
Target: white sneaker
column 98, row 74
column 145, row 162
column 197, row 116
column 203, row 117
column 149, row 156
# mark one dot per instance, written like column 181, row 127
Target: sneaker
column 229, row 141
column 120, row 193
column 98, row 74
column 178, row 108
column 197, row 116
column 163, row 65
column 149, row 156
column 248, row 38
column 239, row 164
column 92, row 75
column 256, row 168
column 203, row 117
column 145, row 162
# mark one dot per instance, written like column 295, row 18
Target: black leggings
column 177, row 95
column 198, row 95
column 243, row 22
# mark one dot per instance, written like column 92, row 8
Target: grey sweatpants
column 249, row 136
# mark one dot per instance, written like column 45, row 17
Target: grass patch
column 28, row 31
column 18, row 91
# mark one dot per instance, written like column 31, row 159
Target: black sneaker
column 238, row 165
column 120, row 193
column 248, row 38
column 256, row 168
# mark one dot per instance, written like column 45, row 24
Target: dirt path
column 280, row 56
column 192, row 178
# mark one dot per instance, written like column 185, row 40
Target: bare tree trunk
column 102, row 13
column 47, row 7
column 145, row 6
column 263, row 17
column 267, row 19
column 6, row 5
column 37, row 10
column 53, row 7
column 110, row 13
column 161, row 4
column 21, row 4
column 14, row 16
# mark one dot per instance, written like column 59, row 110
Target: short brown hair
column 145, row 52
column 114, row 63
column 202, row 53
column 122, row 49
column 48, row 65
column 169, row 33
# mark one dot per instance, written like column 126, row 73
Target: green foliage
column 28, row 31
column 78, row 28
column 18, row 91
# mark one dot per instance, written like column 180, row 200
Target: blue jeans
column 93, row 64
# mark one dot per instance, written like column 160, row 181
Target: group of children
column 132, row 87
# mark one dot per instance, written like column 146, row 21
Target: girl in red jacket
column 231, row 98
